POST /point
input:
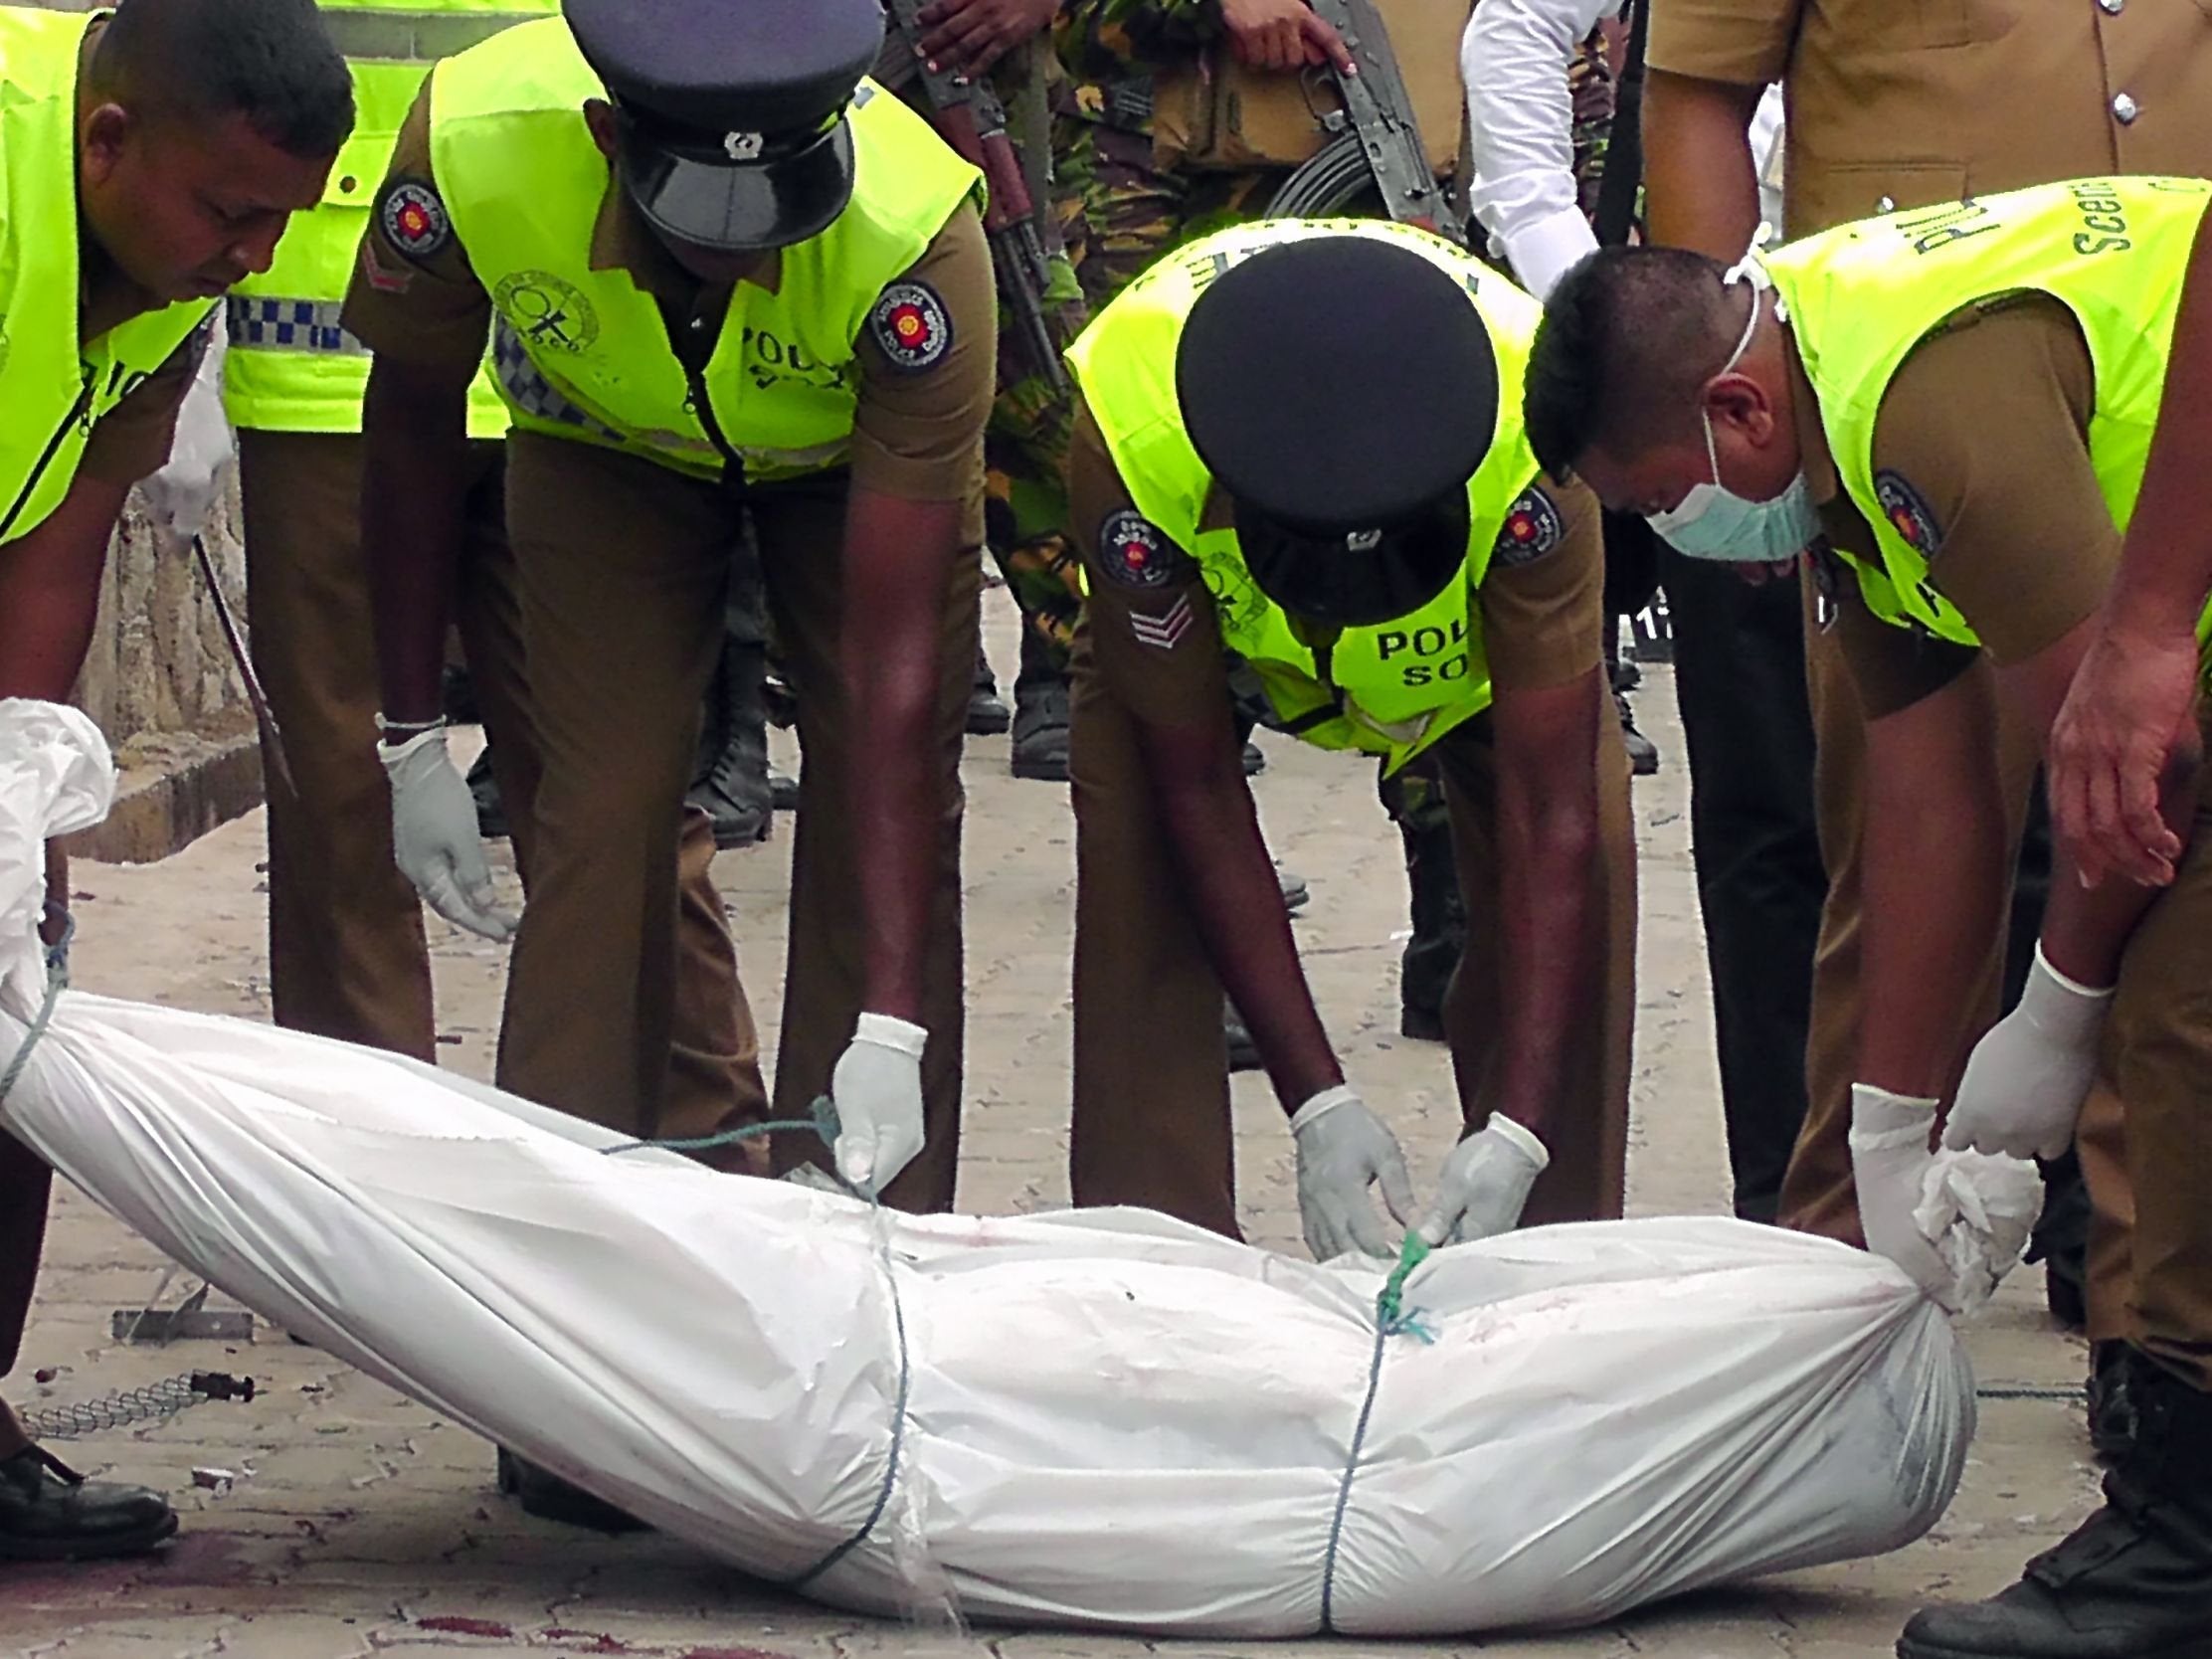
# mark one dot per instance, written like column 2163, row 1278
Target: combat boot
column 1041, row 730
column 2134, row 1581
column 730, row 783
column 51, row 1513
column 987, row 714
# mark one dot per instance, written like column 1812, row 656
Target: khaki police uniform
column 1897, row 105
column 346, row 951
column 1152, row 1101
column 125, row 444
column 623, row 567
column 2022, row 543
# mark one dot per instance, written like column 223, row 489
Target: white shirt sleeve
column 1515, row 59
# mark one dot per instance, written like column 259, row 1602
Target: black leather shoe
column 51, row 1513
column 987, row 714
column 783, row 790
column 1296, row 893
column 1040, row 728
column 1254, row 762
column 2134, row 1581
column 545, row 1495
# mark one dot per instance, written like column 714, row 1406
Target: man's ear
column 1737, row 399
column 106, row 131
column 606, row 125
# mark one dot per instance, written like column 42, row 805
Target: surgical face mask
column 1715, row 523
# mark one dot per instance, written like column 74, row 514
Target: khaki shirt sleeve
column 1982, row 460
column 1152, row 630
column 1746, row 43
column 133, row 439
column 1543, row 595
column 928, row 359
column 414, row 297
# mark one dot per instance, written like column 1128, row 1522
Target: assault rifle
column 1377, row 125
column 968, row 116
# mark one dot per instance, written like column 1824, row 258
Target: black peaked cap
column 729, row 65
column 1338, row 383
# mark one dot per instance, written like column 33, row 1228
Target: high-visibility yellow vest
column 1391, row 689
column 583, row 354
column 53, row 386
column 1860, row 297
column 291, row 366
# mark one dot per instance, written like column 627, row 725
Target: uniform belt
column 414, row 37
column 311, row 327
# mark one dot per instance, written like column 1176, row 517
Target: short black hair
column 1629, row 337
column 270, row 61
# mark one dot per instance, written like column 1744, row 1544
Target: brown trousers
column 2157, row 1057
column 1152, row 1097
column 623, row 570
column 1818, row 1192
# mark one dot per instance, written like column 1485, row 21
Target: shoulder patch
column 1531, row 528
column 1134, row 553
column 1908, row 511
column 911, row 326
column 415, row 219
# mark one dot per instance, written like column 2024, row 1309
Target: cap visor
column 742, row 207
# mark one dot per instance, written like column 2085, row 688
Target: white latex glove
column 2028, row 1078
column 877, row 1091
column 180, row 497
column 435, row 839
column 1485, row 1183
column 1342, row 1150
column 1890, row 1162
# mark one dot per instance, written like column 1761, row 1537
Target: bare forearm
column 1701, row 183
column 1551, row 971
column 1236, row 902
column 1934, row 889
column 414, row 521
column 899, row 559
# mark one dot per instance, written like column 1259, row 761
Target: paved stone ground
column 362, row 1522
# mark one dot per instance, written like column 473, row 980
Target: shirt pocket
column 1822, row 193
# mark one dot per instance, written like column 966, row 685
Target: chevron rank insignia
column 1163, row 632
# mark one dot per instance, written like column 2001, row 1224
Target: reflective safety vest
column 1392, row 689
column 53, row 386
column 1860, row 297
column 291, row 366
column 583, row 354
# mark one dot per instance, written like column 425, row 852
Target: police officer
column 149, row 164
column 1890, row 109
column 1299, row 442
column 346, row 950
column 725, row 282
column 1827, row 390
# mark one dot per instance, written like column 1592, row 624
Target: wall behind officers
column 149, row 158
column 1301, row 443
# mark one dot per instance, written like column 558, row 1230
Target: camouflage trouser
column 1026, row 457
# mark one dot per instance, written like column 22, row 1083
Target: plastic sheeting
column 1102, row 1419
